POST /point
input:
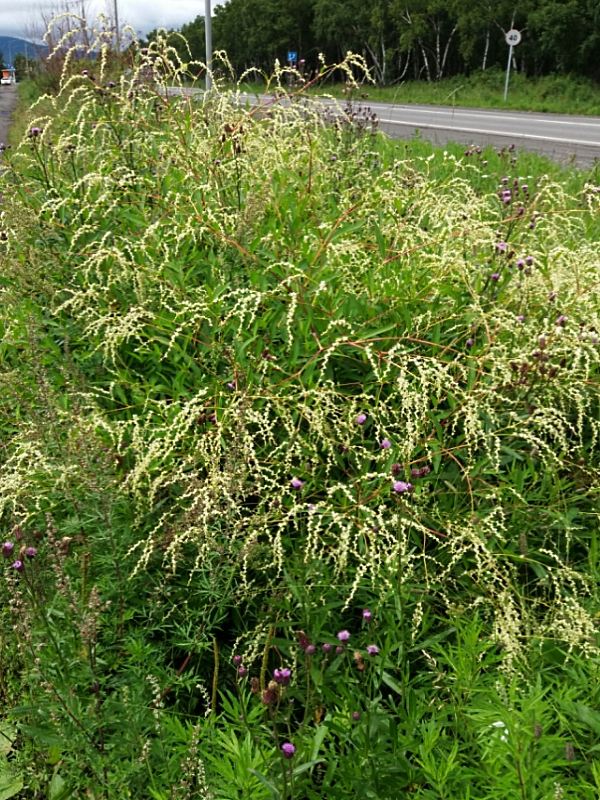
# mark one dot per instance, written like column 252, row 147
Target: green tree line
column 408, row 39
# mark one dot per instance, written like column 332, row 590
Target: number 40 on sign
column 513, row 38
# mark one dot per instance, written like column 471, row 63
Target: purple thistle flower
column 310, row 649
column 529, row 260
column 270, row 695
column 367, row 614
column 520, row 264
column 296, row 483
column 495, row 276
column 562, row 320
column 18, row 565
column 501, row 247
column 339, row 650
column 237, row 660
column 282, row 676
column 385, row 444
column 372, row 649
column 31, row 552
column 33, row 132
column 401, row 486
column 520, row 318
column 326, row 647
column 360, row 419
column 7, row 549
column 343, row 636
column 356, row 716
column 288, row 749
column 470, row 342
column 420, row 472
column 242, row 671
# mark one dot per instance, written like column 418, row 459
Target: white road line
column 524, row 117
column 594, row 122
column 490, row 132
column 458, row 129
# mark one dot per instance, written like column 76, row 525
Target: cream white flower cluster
column 264, row 317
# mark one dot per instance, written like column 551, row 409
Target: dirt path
column 8, row 99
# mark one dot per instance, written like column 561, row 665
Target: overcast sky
column 20, row 17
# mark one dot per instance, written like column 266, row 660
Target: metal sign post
column 513, row 37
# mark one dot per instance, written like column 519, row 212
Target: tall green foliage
column 413, row 38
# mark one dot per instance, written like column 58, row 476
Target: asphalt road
column 8, row 98
column 562, row 137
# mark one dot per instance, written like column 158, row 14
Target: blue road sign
column 292, row 56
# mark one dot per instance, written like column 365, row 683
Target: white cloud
column 161, row 14
column 23, row 17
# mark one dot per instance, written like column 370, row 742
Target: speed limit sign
column 513, row 37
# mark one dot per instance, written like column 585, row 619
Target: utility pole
column 117, row 31
column 208, row 41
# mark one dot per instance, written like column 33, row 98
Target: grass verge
column 553, row 93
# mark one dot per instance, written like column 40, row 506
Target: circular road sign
column 513, row 37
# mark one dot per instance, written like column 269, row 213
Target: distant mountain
column 11, row 45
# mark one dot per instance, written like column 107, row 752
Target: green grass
column 278, row 393
column 553, row 93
